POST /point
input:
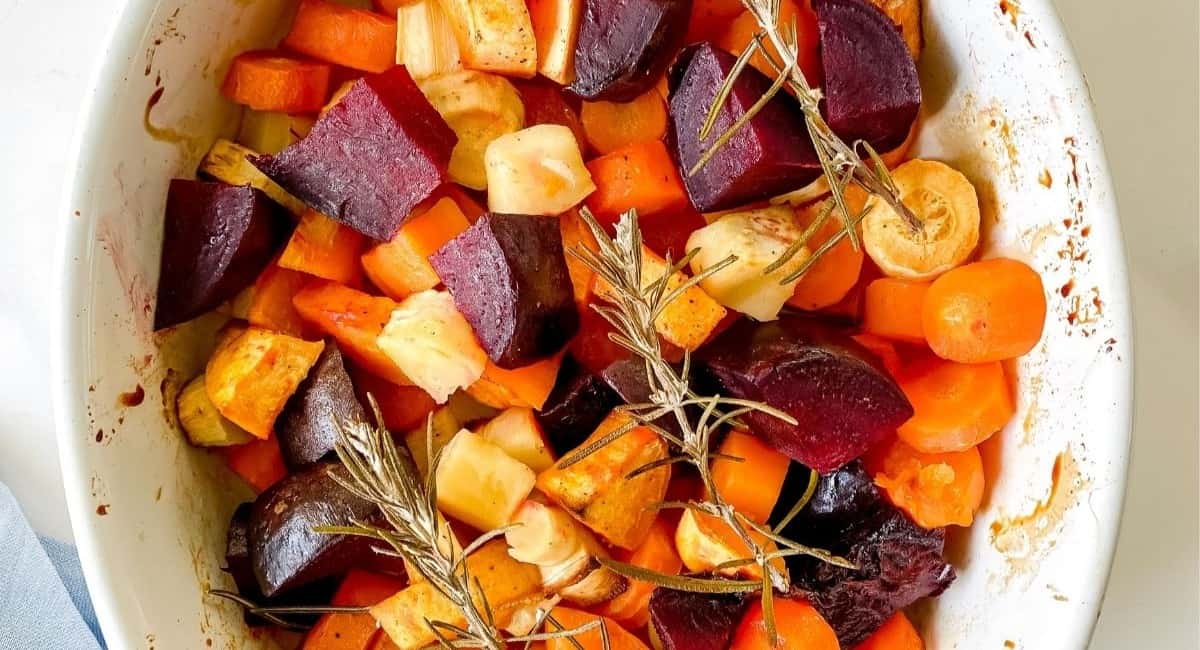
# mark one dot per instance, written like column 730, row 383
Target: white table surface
column 1141, row 62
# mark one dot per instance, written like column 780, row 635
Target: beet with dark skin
column 217, row 238
column 684, row 620
column 372, row 158
column 308, row 425
column 625, row 46
column 898, row 562
column 509, row 279
column 872, row 91
column 577, row 405
column 838, row 392
column 285, row 551
column 770, row 155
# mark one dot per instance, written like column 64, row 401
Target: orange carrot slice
column 986, row 311
column 892, row 309
column 271, row 81
column 956, row 406
column 936, row 490
column 355, row 38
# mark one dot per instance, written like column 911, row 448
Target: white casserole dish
column 1005, row 102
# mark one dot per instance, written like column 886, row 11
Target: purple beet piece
column 577, row 405
column 838, row 392
column 771, row 155
column 625, row 46
column 628, row 378
column 509, row 279
column 898, row 562
column 684, row 620
column 216, row 240
column 372, row 158
column 308, row 425
column 240, row 568
column 872, row 92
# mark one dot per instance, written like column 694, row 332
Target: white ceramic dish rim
column 123, row 43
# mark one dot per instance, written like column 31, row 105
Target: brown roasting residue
column 1046, row 179
column 1012, row 9
column 1066, row 289
column 102, row 509
column 162, row 133
column 132, row 398
column 1024, row 539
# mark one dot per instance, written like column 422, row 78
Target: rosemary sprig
column 383, row 474
column 276, row 614
column 635, row 305
column 840, row 162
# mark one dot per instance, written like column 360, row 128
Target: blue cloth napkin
column 44, row 602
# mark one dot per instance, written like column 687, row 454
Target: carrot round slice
column 936, row 490
column 355, row 38
column 610, row 126
column 892, row 309
column 270, row 81
column 897, row 633
column 956, row 406
column 987, row 311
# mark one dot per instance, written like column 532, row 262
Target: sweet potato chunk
column 597, row 491
column 251, row 377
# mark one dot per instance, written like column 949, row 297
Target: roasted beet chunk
column 285, row 550
column 683, row 620
column 578, row 404
column 625, row 46
column 216, row 240
column 898, row 562
column 841, row 397
column 771, row 155
column 509, row 279
column 872, row 91
column 373, row 157
column 308, row 426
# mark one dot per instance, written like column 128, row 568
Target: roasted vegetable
column 556, row 28
column 202, row 422
column 308, row 426
column 251, row 377
column 684, row 620
column 348, row 36
column 285, row 549
column 436, row 431
column 991, row 310
column 524, row 387
column 479, row 484
column 269, row 132
column 509, row 279
column 797, row 625
column 578, row 404
column 598, row 491
column 840, row 395
column 706, row 544
column 494, row 35
column 771, row 155
column 425, row 39
column 538, row 170
column 945, row 202
column 898, row 562
column 614, row 637
column 371, row 159
column 324, row 248
column 353, row 318
column 506, row 584
column 688, row 320
column 401, row 266
column 757, row 238
column 432, row 344
column 564, row 552
column 272, row 81
column 624, row 46
column 229, row 163
column 517, row 432
column 871, row 89
column 216, row 240
column 479, row 107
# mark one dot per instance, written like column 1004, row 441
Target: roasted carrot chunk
column 936, row 490
column 751, row 485
column 401, row 267
column 324, row 248
column 657, row 553
column 797, row 624
column 896, row 634
column 271, row 300
column 526, row 387
column 259, row 463
column 271, row 81
column 641, row 176
column 355, row 38
column 956, row 406
column 987, row 311
column 611, row 126
column 355, row 319
column 892, row 309
column 618, row 637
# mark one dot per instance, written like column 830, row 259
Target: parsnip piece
column 757, row 238
column 518, row 433
column 494, row 35
column 946, row 203
column 227, row 161
column 705, row 542
column 537, row 170
column 431, row 342
column 508, row 586
column 202, row 423
column 564, row 552
column 556, row 28
column 425, row 40
column 479, row 107
column 442, row 426
column 479, row 484
column 269, row 132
